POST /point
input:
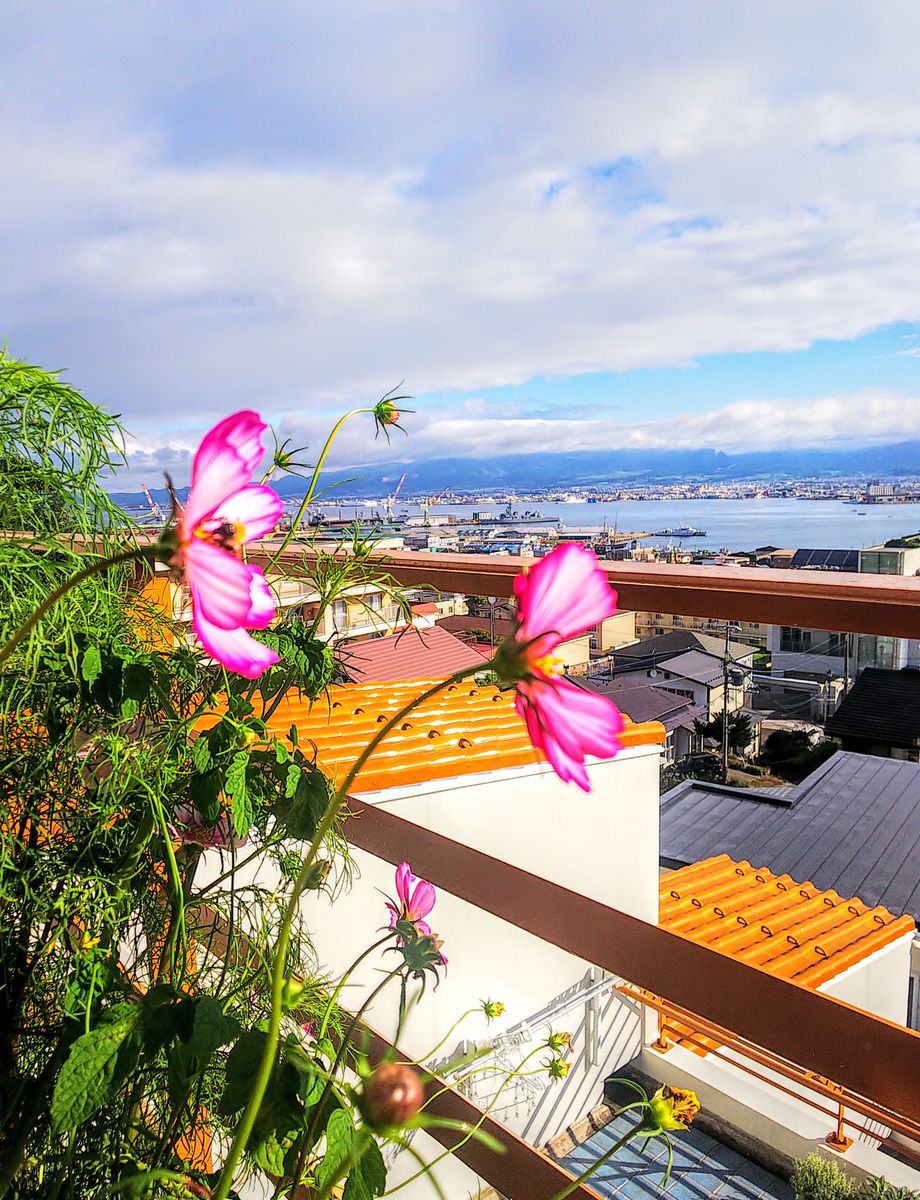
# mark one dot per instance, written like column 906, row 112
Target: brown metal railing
column 848, row 603
column 677, row 1026
column 872, row 1057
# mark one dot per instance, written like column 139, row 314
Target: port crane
column 155, row 509
column 429, row 501
column 389, row 501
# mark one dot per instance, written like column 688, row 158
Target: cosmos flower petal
column 224, row 463
column 567, row 723
column 422, row 901
column 261, row 600
column 404, row 882
column 221, row 585
column 565, row 593
column 234, row 648
column 255, row 507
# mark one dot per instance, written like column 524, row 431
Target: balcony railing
column 874, row 1060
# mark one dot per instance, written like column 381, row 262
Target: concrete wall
column 603, row 845
column 878, row 983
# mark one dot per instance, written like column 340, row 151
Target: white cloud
column 293, row 208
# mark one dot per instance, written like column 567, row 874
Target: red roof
column 413, row 654
column 425, row 610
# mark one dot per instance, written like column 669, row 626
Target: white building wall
column 879, row 983
column 603, row 845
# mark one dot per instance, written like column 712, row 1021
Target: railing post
column 838, row 1139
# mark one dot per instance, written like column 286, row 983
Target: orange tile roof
column 462, row 730
column 790, row 929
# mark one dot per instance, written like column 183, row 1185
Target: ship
column 682, row 531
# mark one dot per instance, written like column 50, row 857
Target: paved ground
column 702, row 1168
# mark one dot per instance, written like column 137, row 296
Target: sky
column 560, row 224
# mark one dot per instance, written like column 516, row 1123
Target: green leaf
column 369, row 1177
column 291, row 780
column 94, row 1069
column 136, row 681
column 302, row 812
column 201, row 755
column 211, row 1027
column 282, row 754
column 236, row 789
column 91, row 667
column 242, row 1064
column 340, row 1136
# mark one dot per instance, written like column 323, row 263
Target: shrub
column 818, row 1178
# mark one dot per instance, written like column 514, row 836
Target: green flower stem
column 456, row 1025
column 263, row 1074
column 314, row 479
column 96, row 568
column 605, row 1157
column 338, row 991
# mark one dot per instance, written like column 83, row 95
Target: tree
column 740, row 731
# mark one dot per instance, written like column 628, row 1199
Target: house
column 431, row 653
column 881, row 715
column 651, row 651
column 817, row 937
column 852, row 826
column 827, row 654
column 704, row 679
column 645, row 702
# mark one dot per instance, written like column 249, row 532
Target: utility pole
column 725, row 661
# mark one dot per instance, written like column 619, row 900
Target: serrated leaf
column 301, row 814
column 291, row 780
column 211, row 1027
column 236, row 788
column 242, row 1064
column 369, row 1177
column 201, row 755
column 340, row 1136
column 94, row 1069
column 91, row 667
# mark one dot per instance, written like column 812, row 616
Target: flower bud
column 291, row 992
column 557, row 1068
column 391, row 1096
column 318, row 875
column 492, row 1009
column 559, row 1042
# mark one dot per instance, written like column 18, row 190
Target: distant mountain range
column 525, row 472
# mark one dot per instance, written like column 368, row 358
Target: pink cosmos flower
column 564, row 594
column 196, row 831
column 223, row 512
column 416, row 899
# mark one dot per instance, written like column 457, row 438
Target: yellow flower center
column 230, row 535
column 549, row 664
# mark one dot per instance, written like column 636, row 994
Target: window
column 374, row 601
column 340, row 614
column 913, row 1001
column 794, row 641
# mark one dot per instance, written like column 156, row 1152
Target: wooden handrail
column 836, row 601
column 839, row 602
column 870, row 1055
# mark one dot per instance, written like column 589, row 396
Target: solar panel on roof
column 827, row 560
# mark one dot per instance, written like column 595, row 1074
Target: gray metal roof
column 695, row 665
column 852, row 825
